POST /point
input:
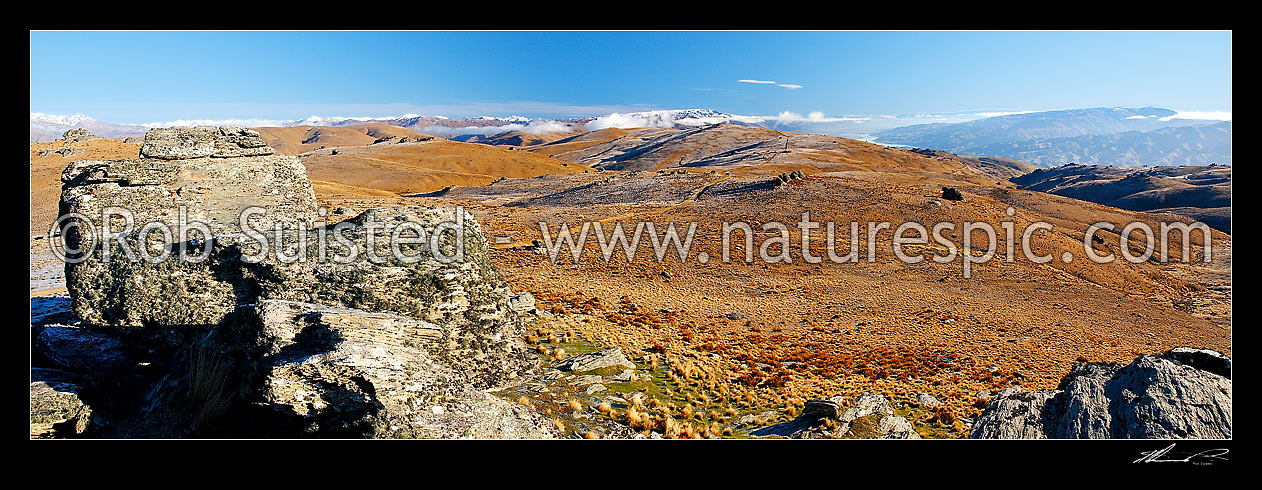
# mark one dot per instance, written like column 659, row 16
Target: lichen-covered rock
column 1171, row 395
column 110, row 287
column 56, row 408
column 350, row 373
column 182, row 143
column 867, row 404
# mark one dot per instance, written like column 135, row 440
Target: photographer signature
column 1207, row 456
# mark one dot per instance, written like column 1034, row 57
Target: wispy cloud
column 790, row 86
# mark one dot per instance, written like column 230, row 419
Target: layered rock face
column 395, row 327
column 1183, row 393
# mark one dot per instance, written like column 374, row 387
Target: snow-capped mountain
column 48, row 127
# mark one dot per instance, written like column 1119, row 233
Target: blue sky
column 139, row 77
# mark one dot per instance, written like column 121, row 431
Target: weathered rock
column 342, row 372
column 896, row 427
column 596, row 360
column 56, row 408
column 1156, row 396
column 113, row 288
column 871, row 417
column 368, row 337
column 867, row 404
column 829, row 408
column 522, row 302
column 927, row 401
column 623, row 377
column 236, row 141
column 62, row 152
column 203, row 141
column 81, row 349
column 76, row 135
column 752, row 420
column 594, row 388
column 179, row 143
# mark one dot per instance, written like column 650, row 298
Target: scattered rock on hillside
column 76, row 135
column 927, row 401
column 1183, row 393
column 870, row 417
column 61, row 152
column 952, row 194
column 596, row 360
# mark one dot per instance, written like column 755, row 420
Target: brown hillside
column 427, row 166
column 301, row 139
column 46, row 173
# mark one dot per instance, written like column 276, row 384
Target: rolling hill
column 1199, row 192
column 295, row 140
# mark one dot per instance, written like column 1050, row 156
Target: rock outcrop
column 175, row 183
column 1183, row 393
column 393, row 323
column 76, row 135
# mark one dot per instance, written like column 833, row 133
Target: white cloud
column 790, row 86
column 1206, row 115
column 997, row 114
column 540, row 126
column 814, row 117
column 254, row 123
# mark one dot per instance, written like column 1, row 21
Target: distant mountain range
column 1099, row 136
column 491, row 129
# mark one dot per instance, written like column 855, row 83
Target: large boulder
column 176, row 184
column 1183, row 393
column 393, row 323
